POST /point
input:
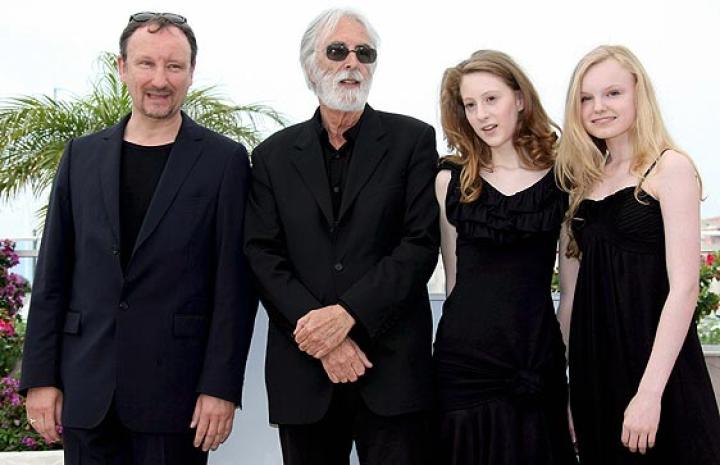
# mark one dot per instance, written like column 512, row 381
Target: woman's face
column 607, row 100
column 491, row 108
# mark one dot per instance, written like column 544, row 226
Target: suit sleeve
column 51, row 287
column 377, row 299
column 285, row 297
column 235, row 304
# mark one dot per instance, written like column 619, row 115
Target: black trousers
column 379, row 440
column 111, row 443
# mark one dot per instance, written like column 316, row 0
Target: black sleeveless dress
column 621, row 289
column 499, row 356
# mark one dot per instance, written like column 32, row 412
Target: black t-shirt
column 140, row 171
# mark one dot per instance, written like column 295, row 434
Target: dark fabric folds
column 621, row 290
column 502, row 218
column 499, row 356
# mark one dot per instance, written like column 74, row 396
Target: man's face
column 343, row 85
column 157, row 71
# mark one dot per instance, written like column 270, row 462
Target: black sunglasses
column 338, row 51
column 146, row 16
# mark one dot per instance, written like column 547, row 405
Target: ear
column 121, row 67
column 519, row 101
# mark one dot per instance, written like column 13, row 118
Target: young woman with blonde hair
column 499, row 356
column 640, row 391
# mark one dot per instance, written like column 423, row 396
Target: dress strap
column 652, row 166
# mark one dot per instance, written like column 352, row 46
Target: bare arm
column 568, row 268
column 675, row 185
column 448, row 234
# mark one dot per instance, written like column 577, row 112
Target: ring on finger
column 32, row 421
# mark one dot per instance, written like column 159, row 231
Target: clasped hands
column 323, row 333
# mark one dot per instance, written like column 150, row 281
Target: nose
column 351, row 61
column 598, row 105
column 480, row 113
column 159, row 77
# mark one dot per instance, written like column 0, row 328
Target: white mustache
column 354, row 75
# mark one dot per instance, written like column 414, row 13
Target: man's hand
column 323, row 329
column 44, row 410
column 213, row 418
column 346, row 363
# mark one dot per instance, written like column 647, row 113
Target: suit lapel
column 311, row 166
column 182, row 158
column 369, row 149
column 110, row 175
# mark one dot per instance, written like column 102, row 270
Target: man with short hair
column 141, row 313
column 342, row 236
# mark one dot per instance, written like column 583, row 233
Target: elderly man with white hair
column 342, row 236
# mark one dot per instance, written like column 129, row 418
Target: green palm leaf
column 34, row 130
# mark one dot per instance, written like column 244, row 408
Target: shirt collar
column 350, row 134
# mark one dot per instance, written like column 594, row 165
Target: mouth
column 603, row 120
column 349, row 82
column 157, row 95
column 489, row 127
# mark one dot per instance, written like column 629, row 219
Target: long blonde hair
column 534, row 138
column 581, row 158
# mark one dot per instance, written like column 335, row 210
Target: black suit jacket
column 179, row 321
column 375, row 259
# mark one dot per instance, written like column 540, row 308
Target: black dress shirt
column 337, row 161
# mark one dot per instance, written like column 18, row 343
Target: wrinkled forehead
column 347, row 30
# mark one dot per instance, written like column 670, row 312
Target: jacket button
column 123, row 306
column 338, row 266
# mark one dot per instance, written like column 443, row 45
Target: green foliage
column 15, row 433
column 34, row 130
column 708, row 300
column 709, row 330
column 11, row 344
column 12, row 292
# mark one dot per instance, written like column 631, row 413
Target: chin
column 160, row 114
column 346, row 105
column 604, row 135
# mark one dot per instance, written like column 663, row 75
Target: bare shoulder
column 674, row 163
column 442, row 180
column 674, row 171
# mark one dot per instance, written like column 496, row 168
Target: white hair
column 322, row 25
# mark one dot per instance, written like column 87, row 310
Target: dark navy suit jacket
column 179, row 321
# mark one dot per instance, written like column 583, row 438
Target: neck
column 337, row 122
column 506, row 156
column 142, row 130
column 620, row 148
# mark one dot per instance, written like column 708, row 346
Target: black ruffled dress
column 499, row 356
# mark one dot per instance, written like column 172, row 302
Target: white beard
column 334, row 96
